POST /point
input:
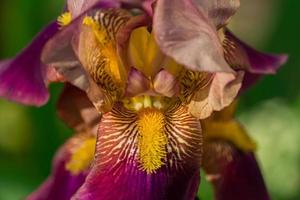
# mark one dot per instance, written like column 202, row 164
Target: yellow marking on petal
column 230, row 131
column 173, row 67
column 144, row 52
column 137, row 47
column 64, row 19
column 82, row 157
column 108, row 50
column 152, row 140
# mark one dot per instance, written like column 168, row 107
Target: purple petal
column 117, row 173
column 249, row 80
column 240, row 55
column 235, row 174
column 185, row 33
column 61, row 185
column 242, row 179
column 22, row 78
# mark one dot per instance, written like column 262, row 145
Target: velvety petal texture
column 188, row 37
column 22, row 79
column 241, row 56
column 61, row 184
column 117, row 172
column 242, row 179
column 228, row 158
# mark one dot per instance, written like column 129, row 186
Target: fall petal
column 22, row 79
column 241, row 56
column 249, row 80
column 184, row 33
column 220, row 93
column 235, row 174
column 62, row 183
column 242, row 175
column 117, row 172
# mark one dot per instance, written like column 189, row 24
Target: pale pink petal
column 166, row 84
column 137, row 83
column 185, row 33
column 219, row 11
column 219, row 94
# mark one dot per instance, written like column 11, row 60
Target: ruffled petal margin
column 222, row 90
column 188, row 37
column 22, row 79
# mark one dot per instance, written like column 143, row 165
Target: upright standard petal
column 22, row 79
column 185, row 33
column 140, row 162
column 241, row 56
column 219, row 11
column 78, row 7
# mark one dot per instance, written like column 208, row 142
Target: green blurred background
column 270, row 110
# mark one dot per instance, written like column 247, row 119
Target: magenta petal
column 22, row 78
column 185, row 33
column 242, row 179
column 249, row 80
column 61, row 185
column 135, row 184
column 246, row 57
column 116, row 173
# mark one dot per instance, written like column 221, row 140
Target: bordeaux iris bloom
column 229, row 159
column 152, row 70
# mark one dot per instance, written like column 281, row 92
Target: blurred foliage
column 270, row 110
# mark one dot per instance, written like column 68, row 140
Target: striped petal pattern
column 117, row 172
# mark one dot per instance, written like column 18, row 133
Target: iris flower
column 153, row 70
column 229, row 160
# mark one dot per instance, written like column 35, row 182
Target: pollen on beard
column 64, row 19
column 82, row 157
column 152, row 140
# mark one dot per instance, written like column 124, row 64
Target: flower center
column 141, row 102
column 152, row 139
